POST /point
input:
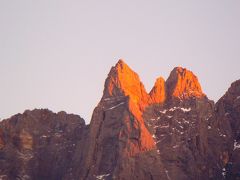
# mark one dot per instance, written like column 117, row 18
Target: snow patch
column 185, row 121
column 174, row 147
column 168, row 177
column 238, row 97
column 222, row 135
column 116, row 106
column 166, row 126
column 173, row 109
column 161, row 126
column 102, row 177
column 163, row 112
column 209, row 127
column 224, row 172
column 157, row 142
column 236, row 145
column 183, row 109
column 179, row 122
column 107, row 99
column 186, row 109
column 25, row 177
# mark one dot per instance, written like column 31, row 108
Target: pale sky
column 56, row 54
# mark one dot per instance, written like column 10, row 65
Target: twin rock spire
column 181, row 84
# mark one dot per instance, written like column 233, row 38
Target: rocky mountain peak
column 228, row 104
column 118, row 126
column 123, row 81
column 183, row 84
column 158, row 92
column 174, row 132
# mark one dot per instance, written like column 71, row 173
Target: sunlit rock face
column 178, row 122
column 123, row 81
column 174, row 132
column 158, row 92
column 183, row 84
column 120, row 144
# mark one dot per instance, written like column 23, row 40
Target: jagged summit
column 174, row 132
column 121, row 63
column 158, row 92
column 123, row 81
column 183, row 84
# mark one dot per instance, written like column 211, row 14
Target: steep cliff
column 174, row 132
column 120, row 145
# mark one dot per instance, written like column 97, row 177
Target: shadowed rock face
column 225, row 132
column 174, row 132
column 39, row 144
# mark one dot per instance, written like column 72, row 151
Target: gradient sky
column 56, row 54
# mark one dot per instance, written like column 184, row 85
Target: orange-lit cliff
column 174, row 132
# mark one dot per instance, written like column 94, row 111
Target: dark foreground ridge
column 172, row 133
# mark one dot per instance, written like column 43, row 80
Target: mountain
column 174, row 132
column 225, row 128
column 39, row 144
